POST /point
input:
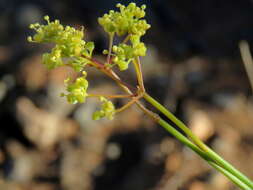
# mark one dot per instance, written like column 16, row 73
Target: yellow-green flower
column 128, row 20
column 68, row 42
column 107, row 110
column 77, row 91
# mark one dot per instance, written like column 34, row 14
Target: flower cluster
column 125, row 53
column 127, row 21
column 107, row 110
column 68, row 42
column 71, row 50
column 77, row 91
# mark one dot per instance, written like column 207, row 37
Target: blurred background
column 193, row 66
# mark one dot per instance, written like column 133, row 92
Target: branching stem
column 209, row 152
column 126, row 39
column 193, row 142
column 137, row 67
column 111, row 95
column 131, row 102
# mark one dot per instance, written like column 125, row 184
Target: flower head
column 128, row 20
column 68, row 42
column 107, row 110
column 77, row 91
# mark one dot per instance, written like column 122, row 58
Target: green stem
column 211, row 154
column 137, row 67
column 202, row 154
column 232, row 178
column 199, row 147
column 175, row 120
column 111, row 35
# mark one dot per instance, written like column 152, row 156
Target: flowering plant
column 128, row 23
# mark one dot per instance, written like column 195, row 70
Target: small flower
column 124, row 54
column 53, row 59
column 77, row 91
column 107, row 110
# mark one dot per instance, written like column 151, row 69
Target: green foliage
column 107, row 110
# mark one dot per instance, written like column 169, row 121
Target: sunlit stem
column 134, row 99
column 111, row 96
column 234, row 179
column 111, row 35
column 237, row 180
column 126, row 39
column 175, row 120
column 137, row 67
column 110, row 73
column 197, row 145
column 208, row 151
column 149, row 113
column 117, row 79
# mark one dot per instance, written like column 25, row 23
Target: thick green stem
column 175, row 120
column 195, row 144
column 232, row 178
column 209, row 152
column 202, row 154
